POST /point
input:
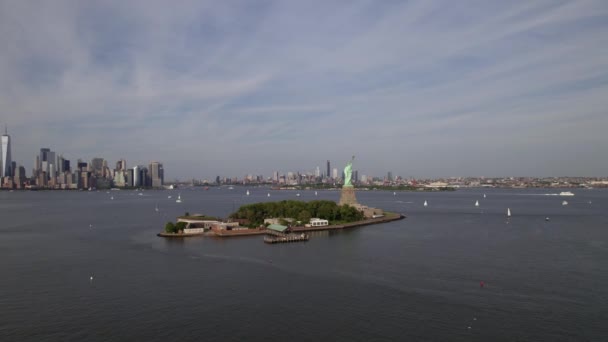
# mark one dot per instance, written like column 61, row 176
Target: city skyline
column 420, row 88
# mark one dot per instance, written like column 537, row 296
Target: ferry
column 566, row 193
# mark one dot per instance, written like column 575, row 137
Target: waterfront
column 416, row 278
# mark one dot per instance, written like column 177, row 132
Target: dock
column 286, row 238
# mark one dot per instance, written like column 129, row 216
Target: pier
column 286, row 238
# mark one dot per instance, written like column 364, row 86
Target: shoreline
column 298, row 229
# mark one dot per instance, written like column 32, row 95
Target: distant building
column 156, row 174
column 97, row 165
column 7, row 162
column 328, row 169
column 335, row 173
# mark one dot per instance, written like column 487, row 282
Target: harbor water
column 81, row 266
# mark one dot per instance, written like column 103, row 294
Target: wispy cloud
column 418, row 87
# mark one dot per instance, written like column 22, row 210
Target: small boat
column 140, row 194
column 247, row 192
column 425, row 204
column 484, row 195
column 230, row 188
column 112, row 197
column 297, row 195
column 565, row 203
column 169, row 197
column 156, row 208
column 316, row 193
column 477, row 203
column 566, row 193
column 269, row 194
column 394, row 193
column 179, row 199
column 547, row 218
column 508, row 212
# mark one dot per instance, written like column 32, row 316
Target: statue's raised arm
column 348, row 173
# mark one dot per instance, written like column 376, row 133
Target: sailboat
column 179, row 199
column 477, row 203
column 297, row 195
column 565, row 203
column 111, row 197
column 508, row 212
column 269, row 194
column 156, row 208
column 316, row 193
column 394, row 193
column 425, row 204
column 247, row 192
column 169, row 197
column 484, row 195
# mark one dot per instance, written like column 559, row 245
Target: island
column 284, row 221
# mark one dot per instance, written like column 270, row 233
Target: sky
column 420, row 88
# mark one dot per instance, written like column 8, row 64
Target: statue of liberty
column 348, row 173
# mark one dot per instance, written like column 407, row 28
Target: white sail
column 269, row 194
column 477, row 203
column 508, row 212
column 425, row 204
column 394, row 193
column 484, row 195
column 179, row 198
column 247, row 192
column 565, row 203
column 315, row 193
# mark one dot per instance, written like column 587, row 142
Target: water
column 415, row 279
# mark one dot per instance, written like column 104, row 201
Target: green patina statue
column 348, row 173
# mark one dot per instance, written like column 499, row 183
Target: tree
column 304, row 216
column 170, row 228
column 180, row 226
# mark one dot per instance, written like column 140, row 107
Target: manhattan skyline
column 421, row 88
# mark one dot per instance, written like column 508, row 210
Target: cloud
column 420, row 88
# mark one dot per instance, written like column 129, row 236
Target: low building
column 278, row 220
column 369, row 212
column 278, row 228
column 317, row 222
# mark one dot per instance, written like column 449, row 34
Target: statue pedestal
column 348, row 196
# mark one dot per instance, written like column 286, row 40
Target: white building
column 317, row 222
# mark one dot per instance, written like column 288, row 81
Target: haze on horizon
column 420, row 88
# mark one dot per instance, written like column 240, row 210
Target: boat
column 269, row 194
column 394, row 193
column 316, row 193
column 111, row 197
column 566, row 193
column 230, row 188
column 565, row 203
column 547, row 218
column 156, row 208
column 425, row 204
column 179, row 199
column 477, row 203
column 247, row 192
column 169, row 197
column 484, row 195
column 140, row 194
column 298, row 195
column 508, row 212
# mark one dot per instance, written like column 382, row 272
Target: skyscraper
column 328, row 175
column 47, row 158
column 7, row 161
column 97, row 165
column 156, row 174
